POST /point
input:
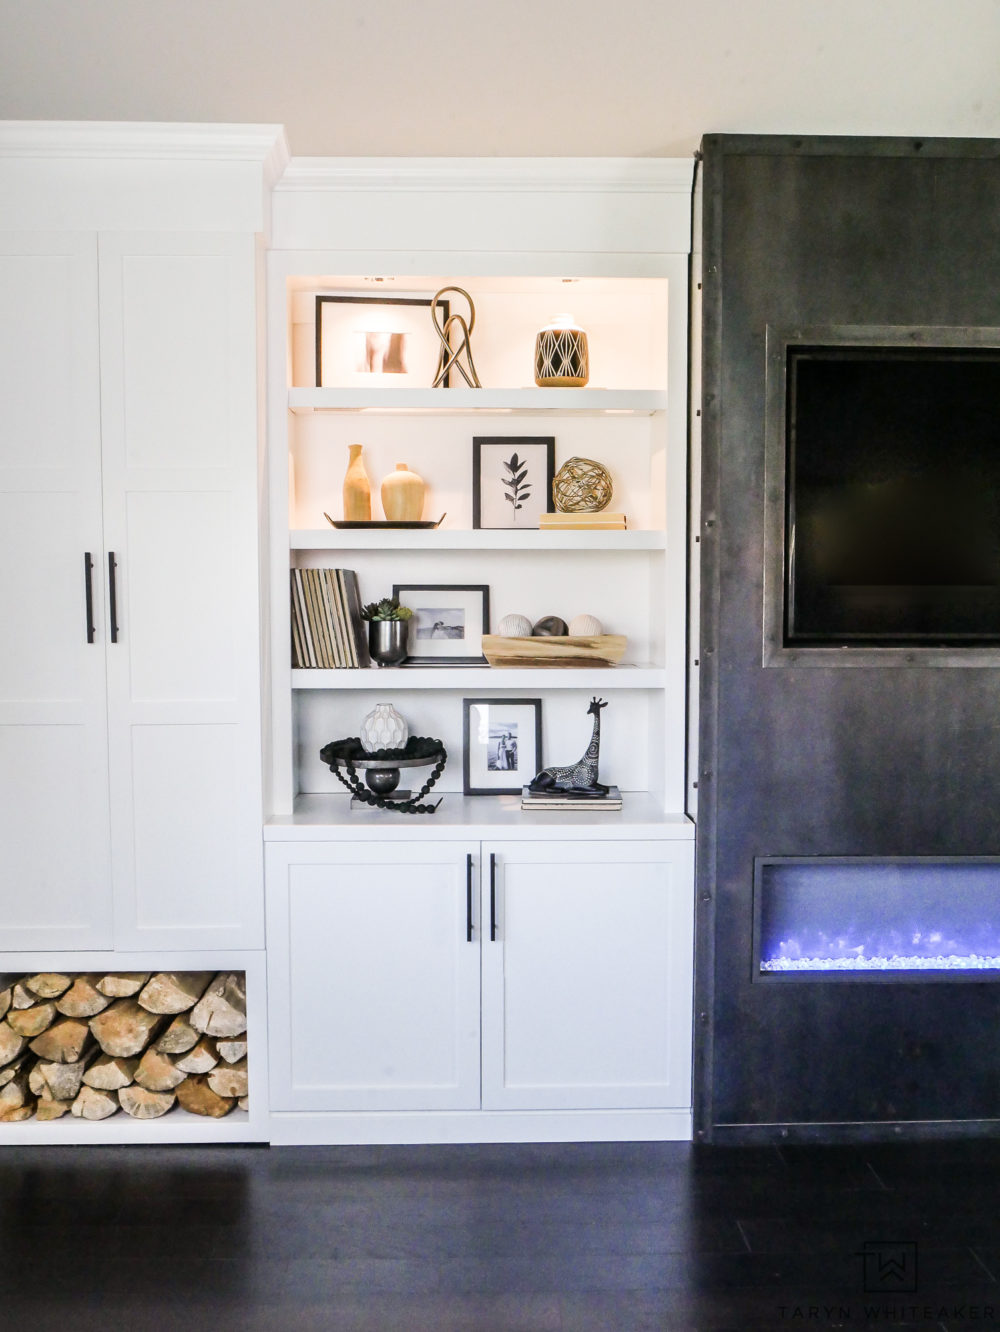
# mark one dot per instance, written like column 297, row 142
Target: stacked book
column 327, row 629
column 582, row 804
column 579, row 522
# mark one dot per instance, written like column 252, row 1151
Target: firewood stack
column 92, row 1044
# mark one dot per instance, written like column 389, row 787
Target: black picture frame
column 527, row 760
column 470, row 604
column 362, row 299
column 541, row 451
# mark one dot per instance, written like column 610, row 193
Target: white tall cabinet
column 479, row 973
column 130, row 732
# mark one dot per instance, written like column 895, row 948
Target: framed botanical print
column 448, row 622
column 512, row 479
column 502, row 747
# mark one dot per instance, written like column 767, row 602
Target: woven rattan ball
column 582, row 486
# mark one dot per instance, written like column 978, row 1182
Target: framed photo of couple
column 502, row 748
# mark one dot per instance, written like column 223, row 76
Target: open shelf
column 452, row 538
column 177, row 1126
column 483, row 677
column 591, row 401
column 315, row 816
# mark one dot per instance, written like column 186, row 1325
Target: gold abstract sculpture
column 582, row 486
column 448, row 358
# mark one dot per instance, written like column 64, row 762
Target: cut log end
column 124, row 1028
column 32, row 1021
column 64, row 1042
column 122, row 984
column 48, row 984
column 197, row 1097
column 174, row 991
column 95, row 1103
column 223, row 1009
column 142, row 1104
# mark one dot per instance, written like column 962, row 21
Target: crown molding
column 654, row 175
column 265, row 144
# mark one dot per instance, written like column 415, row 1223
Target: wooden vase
column 403, row 495
column 357, row 489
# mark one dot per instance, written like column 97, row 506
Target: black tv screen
column 892, row 533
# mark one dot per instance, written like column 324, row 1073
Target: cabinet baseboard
column 289, row 1130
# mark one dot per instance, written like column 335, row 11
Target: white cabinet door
column 587, row 983
column 55, row 878
column 373, row 978
column 179, row 399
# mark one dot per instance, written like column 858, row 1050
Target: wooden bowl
column 564, row 650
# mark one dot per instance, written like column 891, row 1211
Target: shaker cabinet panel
column 373, row 980
column 586, row 986
column 55, row 880
column 179, row 448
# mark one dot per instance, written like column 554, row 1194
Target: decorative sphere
column 515, row 626
column 549, row 626
column 382, row 780
column 586, row 626
column 582, row 486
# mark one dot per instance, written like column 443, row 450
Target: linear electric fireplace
column 855, row 918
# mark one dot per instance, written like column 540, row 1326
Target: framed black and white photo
column 512, row 479
column 449, row 620
column 376, row 341
column 502, row 748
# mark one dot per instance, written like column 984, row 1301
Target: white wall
column 510, row 77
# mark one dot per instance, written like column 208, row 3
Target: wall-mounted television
column 892, row 495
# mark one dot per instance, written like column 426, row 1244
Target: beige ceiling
column 512, row 77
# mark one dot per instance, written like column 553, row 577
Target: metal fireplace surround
column 848, row 933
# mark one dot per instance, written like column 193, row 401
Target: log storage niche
column 93, row 1044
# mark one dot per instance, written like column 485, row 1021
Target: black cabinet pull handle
column 88, row 583
column 113, row 588
column 493, row 897
column 468, row 898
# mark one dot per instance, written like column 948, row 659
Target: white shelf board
column 483, row 677
column 317, row 817
column 636, row 402
column 176, row 1126
column 442, row 538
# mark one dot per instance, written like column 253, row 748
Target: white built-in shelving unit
column 547, row 956
column 608, row 241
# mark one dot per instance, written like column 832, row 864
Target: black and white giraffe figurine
column 578, row 778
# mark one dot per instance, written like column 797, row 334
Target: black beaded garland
column 343, row 752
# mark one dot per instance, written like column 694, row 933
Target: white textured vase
column 383, row 728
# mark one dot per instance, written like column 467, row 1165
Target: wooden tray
column 567, row 650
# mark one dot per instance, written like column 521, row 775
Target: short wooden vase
column 403, row 496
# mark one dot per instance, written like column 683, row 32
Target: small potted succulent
column 388, row 630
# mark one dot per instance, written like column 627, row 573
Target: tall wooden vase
column 357, row 489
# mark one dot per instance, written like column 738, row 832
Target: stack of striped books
column 328, row 632
column 578, row 522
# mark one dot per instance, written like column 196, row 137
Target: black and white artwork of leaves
column 516, row 484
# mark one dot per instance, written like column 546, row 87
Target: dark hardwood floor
column 616, row 1237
